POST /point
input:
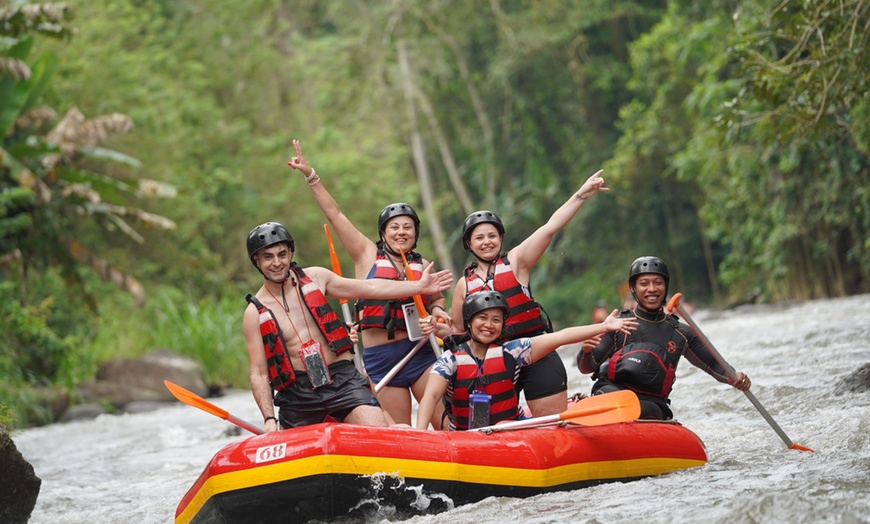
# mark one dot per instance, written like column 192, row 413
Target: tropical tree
column 759, row 114
column 60, row 206
column 794, row 204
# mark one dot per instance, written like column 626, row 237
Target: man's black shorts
column 300, row 405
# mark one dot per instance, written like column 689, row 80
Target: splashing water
column 135, row 468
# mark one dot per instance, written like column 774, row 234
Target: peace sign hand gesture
column 298, row 162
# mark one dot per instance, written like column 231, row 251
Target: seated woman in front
column 485, row 368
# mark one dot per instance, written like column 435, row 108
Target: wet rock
column 856, row 382
column 138, row 383
column 116, row 394
column 142, row 406
column 149, row 372
column 55, row 400
column 19, row 485
column 82, row 412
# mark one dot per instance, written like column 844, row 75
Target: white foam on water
column 136, row 468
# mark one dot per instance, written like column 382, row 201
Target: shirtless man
column 298, row 348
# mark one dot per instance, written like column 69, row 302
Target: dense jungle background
column 143, row 139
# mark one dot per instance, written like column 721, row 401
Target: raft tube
column 323, row 471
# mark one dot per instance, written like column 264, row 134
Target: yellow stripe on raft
column 444, row 471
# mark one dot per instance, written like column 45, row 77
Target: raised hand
column 594, row 184
column 614, row 323
column 298, row 162
column 435, row 282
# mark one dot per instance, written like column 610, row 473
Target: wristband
column 267, row 419
column 310, row 177
column 431, row 309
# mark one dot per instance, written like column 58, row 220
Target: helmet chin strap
column 494, row 258
column 484, row 261
column 640, row 304
column 390, row 251
column 471, row 335
column 387, row 248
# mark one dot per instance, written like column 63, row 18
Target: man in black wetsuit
column 646, row 360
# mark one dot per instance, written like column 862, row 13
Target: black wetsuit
column 674, row 340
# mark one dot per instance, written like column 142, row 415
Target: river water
column 135, row 468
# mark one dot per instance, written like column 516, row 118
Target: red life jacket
column 383, row 313
column 333, row 328
column 281, row 374
column 525, row 318
column 495, row 380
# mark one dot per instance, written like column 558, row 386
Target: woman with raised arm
column 381, row 323
column 545, row 384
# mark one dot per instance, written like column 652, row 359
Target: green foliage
column 206, row 330
column 6, row 418
column 58, row 201
column 789, row 151
column 24, row 405
column 30, row 349
column 751, row 110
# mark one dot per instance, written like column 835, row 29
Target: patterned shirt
column 518, row 354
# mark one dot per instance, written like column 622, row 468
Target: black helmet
column 482, row 300
column 645, row 265
column 475, row 219
column 266, row 235
column 648, row 265
column 396, row 210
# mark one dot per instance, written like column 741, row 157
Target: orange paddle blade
column 673, row 303
column 192, row 399
column 607, row 408
column 333, row 257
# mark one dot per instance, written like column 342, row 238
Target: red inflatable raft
column 328, row 470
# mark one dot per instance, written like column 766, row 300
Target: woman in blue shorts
column 545, row 383
column 381, row 322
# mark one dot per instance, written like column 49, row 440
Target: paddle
column 674, row 305
column 597, row 410
column 345, row 309
column 421, row 309
column 192, row 399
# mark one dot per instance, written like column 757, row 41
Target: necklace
column 287, row 308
